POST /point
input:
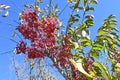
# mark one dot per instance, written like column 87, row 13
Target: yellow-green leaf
column 79, row 66
column 104, row 72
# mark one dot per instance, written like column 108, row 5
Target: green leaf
column 111, row 17
column 32, row 65
column 72, row 18
column 14, row 34
column 6, row 14
column 84, row 2
column 77, row 15
column 77, row 4
column 94, row 54
column 78, row 65
column 82, row 26
column 102, row 32
column 79, row 8
column 89, row 16
column 112, row 24
column 39, row 1
column 89, row 8
column 93, row 2
column 97, row 48
column 114, row 34
column 90, row 22
column 75, row 44
column 86, row 42
column 114, row 21
column 70, row 30
column 103, row 70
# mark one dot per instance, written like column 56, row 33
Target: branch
column 63, row 9
column 15, row 5
column 6, row 52
column 9, row 39
column 59, row 70
column 16, row 71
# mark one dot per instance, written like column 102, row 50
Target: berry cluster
column 89, row 62
column 41, row 34
column 21, row 47
column 63, row 53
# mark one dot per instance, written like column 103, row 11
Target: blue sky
column 102, row 10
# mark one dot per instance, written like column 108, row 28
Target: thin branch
column 6, row 23
column 30, row 73
column 59, row 70
column 26, row 2
column 11, row 26
column 63, row 9
column 50, row 5
column 13, row 12
column 83, row 17
column 6, row 52
column 9, row 39
column 15, row 5
column 69, row 22
column 16, row 71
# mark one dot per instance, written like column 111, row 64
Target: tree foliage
column 42, row 36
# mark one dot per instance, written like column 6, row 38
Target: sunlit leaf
column 94, row 54
column 6, row 7
column 26, row 59
column 39, row 1
column 70, row 30
column 102, row 32
column 112, row 24
column 89, row 16
column 14, row 34
column 104, row 72
column 78, row 65
column 90, row 22
column 32, row 65
column 75, row 44
column 84, row 2
column 2, row 5
column 93, row 2
column 111, row 17
column 89, row 9
column 83, row 33
column 6, row 14
column 117, row 70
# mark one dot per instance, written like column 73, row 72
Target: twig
column 63, row 9
column 13, row 11
column 59, row 70
column 16, row 71
column 9, row 39
column 68, row 23
column 6, row 52
column 15, row 5
column 50, row 5
column 7, row 24
column 30, row 73
column 83, row 17
column 11, row 26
